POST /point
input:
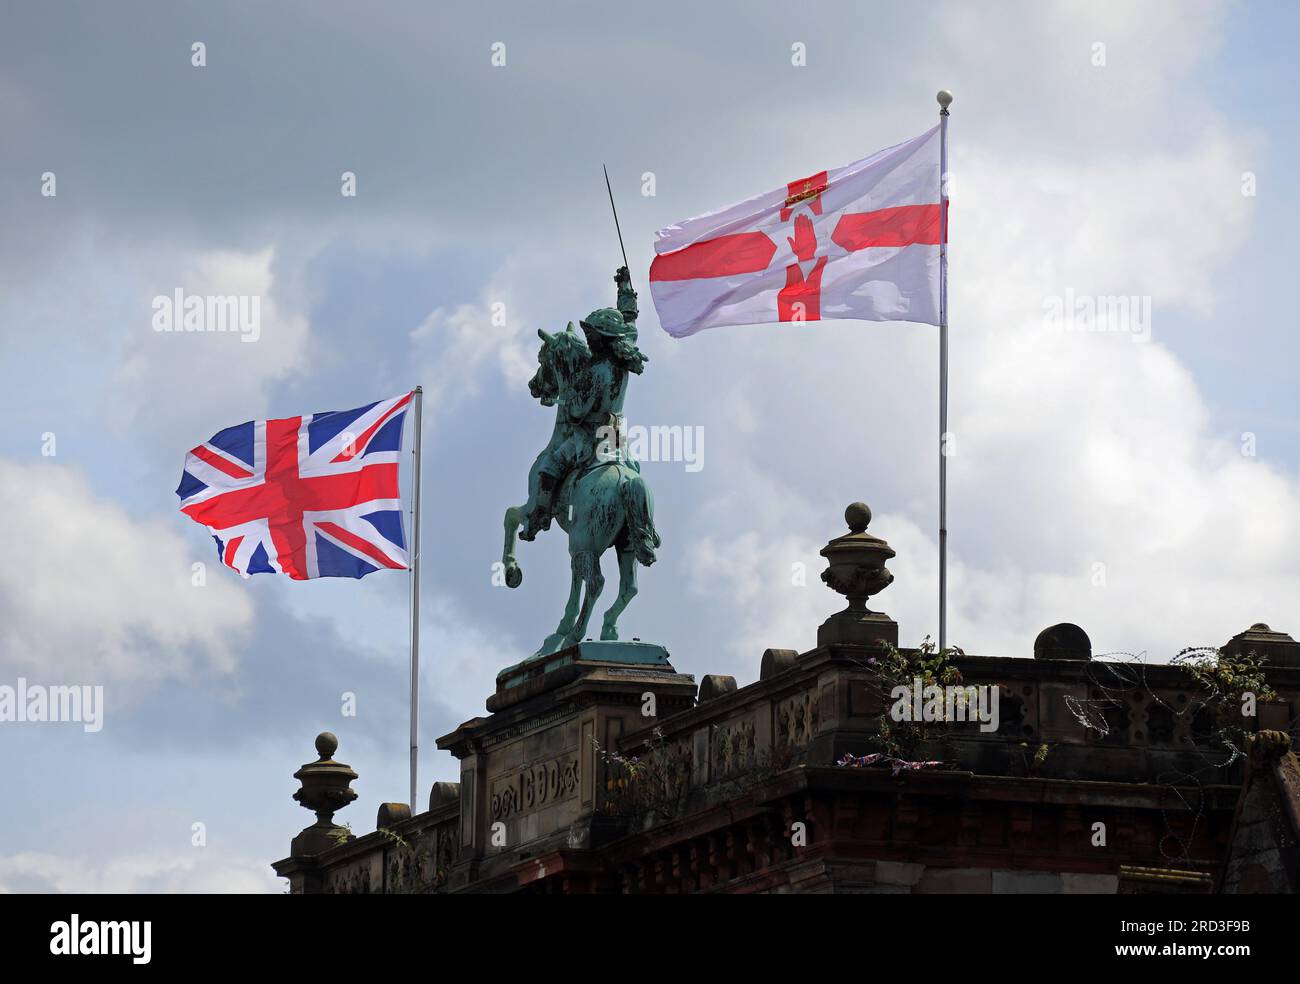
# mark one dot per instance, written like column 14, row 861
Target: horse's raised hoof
column 514, row 576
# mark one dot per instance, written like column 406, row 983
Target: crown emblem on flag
column 803, row 190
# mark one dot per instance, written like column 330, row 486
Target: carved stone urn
column 326, row 787
column 856, row 569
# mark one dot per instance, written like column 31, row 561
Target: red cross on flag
column 860, row 241
column 309, row 496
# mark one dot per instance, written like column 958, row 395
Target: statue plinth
column 534, row 773
column 534, row 675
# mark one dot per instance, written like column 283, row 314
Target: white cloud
column 773, row 602
column 1073, row 449
column 154, row 872
column 168, row 369
column 101, row 597
column 1087, row 448
column 497, row 334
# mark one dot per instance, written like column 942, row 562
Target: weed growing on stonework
column 894, row 667
column 405, row 864
column 655, row 781
column 1229, row 685
column 654, row 784
column 1033, row 763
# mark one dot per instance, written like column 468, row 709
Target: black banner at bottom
column 139, row 934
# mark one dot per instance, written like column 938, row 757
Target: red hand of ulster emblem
column 804, row 242
column 800, row 299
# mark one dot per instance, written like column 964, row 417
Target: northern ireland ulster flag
column 310, row 496
column 860, row 241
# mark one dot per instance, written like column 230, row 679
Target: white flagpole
column 944, row 98
column 417, row 407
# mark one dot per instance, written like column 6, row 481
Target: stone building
column 601, row 769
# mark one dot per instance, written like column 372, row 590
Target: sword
column 616, row 226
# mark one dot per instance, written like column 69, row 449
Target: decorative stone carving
column 797, row 720
column 734, row 748
column 675, row 771
column 857, row 570
column 351, row 880
column 326, row 787
column 421, row 864
column 446, row 850
column 680, row 760
column 535, row 786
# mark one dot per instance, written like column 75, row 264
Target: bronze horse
column 601, row 504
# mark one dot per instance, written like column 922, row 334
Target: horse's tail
column 639, row 513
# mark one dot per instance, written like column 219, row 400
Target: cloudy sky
column 1144, row 488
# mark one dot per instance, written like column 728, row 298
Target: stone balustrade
column 602, row 769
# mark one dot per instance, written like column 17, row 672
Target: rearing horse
column 604, row 503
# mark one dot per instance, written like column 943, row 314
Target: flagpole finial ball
column 945, row 99
column 857, row 515
column 326, row 745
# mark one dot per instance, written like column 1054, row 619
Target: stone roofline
column 538, row 803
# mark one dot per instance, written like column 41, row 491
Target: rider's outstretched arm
column 626, row 295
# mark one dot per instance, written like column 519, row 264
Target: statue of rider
column 594, row 407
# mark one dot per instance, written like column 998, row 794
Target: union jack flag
column 311, row 496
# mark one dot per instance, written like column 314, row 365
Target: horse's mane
column 562, row 356
column 568, row 351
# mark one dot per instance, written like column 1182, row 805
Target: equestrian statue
column 584, row 480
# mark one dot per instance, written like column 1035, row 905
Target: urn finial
column 326, row 787
column 856, row 569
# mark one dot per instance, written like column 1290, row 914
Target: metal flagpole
column 944, row 98
column 417, row 407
